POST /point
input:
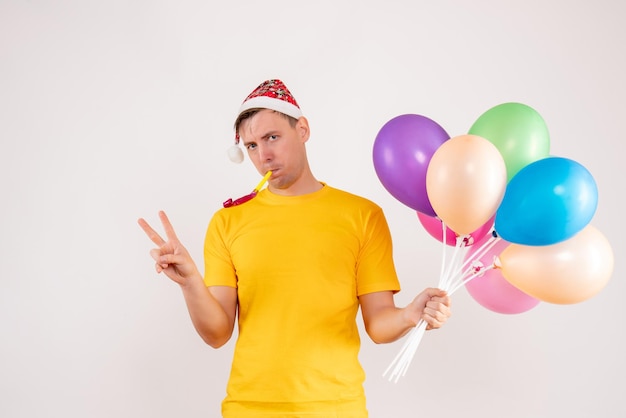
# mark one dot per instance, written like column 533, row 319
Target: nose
column 265, row 152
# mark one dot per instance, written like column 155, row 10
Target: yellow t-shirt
column 299, row 264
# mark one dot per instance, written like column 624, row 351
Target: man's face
column 273, row 144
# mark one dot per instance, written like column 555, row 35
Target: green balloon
column 517, row 131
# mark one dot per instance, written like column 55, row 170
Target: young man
column 294, row 263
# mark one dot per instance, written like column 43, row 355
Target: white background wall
column 112, row 110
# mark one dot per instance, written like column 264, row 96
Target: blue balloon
column 548, row 201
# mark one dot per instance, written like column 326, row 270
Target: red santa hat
column 270, row 94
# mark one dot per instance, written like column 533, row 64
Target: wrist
column 410, row 317
column 193, row 281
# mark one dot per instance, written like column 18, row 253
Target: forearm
column 389, row 324
column 208, row 316
column 386, row 323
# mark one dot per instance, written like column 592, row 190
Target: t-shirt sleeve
column 218, row 266
column 375, row 268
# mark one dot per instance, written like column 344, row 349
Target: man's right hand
column 171, row 257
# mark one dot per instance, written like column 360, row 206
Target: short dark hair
column 247, row 114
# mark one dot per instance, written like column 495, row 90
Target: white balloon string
column 443, row 250
column 443, row 277
column 453, row 264
column 469, row 277
column 407, row 342
column 471, row 270
column 420, row 330
column 454, row 274
column 402, row 361
column 482, row 250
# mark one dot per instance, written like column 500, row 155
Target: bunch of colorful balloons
column 522, row 215
column 498, row 182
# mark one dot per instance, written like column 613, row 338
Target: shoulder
column 339, row 193
column 352, row 199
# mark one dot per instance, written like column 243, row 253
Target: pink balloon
column 491, row 289
column 433, row 226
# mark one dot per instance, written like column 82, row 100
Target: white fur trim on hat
column 265, row 102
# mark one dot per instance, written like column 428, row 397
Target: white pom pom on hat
column 235, row 154
column 270, row 94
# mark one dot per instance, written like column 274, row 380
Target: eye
column 273, row 137
column 251, row 146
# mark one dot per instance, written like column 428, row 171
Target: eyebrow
column 265, row 136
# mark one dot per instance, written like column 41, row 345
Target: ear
column 302, row 127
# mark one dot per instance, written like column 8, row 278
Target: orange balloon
column 570, row 271
column 465, row 182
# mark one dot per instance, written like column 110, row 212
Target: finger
column 445, row 301
column 170, row 259
column 435, row 318
column 167, row 225
column 430, row 322
column 433, row 321
column 151, row 233
column 156, row 255
column 434, row 292
column 437, row 309
column 427, row 295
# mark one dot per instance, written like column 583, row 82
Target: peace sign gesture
column 171, row 256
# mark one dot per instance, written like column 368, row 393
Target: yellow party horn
column 230, row 202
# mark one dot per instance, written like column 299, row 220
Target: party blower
column 230, row 202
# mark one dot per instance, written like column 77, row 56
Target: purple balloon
column 402, row 151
